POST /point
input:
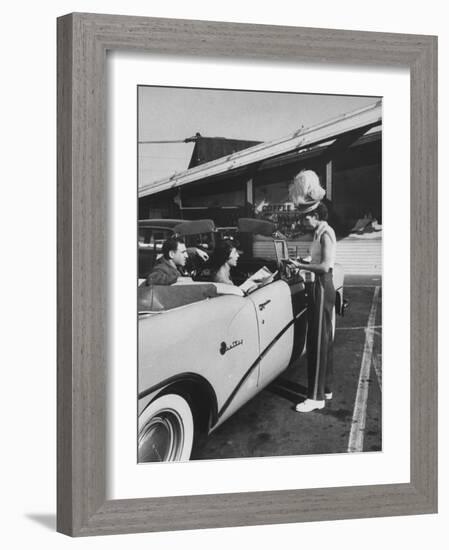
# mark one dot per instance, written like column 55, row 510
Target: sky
column 177, row 113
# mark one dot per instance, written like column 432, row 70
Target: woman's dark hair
column 221, row 253
column 321, row 212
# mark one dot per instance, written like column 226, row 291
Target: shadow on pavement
column 288, row 390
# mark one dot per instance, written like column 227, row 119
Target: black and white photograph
column 260, row 274
column 233, row 334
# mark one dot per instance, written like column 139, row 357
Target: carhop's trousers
column 320, row 336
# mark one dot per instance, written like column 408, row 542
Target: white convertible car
column 205, row 349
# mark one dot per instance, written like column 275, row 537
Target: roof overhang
column 302, row 139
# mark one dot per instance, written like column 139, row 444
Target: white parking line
column 357, row 433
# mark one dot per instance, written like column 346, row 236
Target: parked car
column 152, row 234
column 205, row 348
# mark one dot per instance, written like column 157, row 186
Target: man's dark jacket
column 163, row 273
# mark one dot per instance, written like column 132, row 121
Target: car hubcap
column 162, row 438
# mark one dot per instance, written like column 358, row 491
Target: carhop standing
column 321, row 309
column 305, row 193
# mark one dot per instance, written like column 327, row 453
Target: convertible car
column 206, row 348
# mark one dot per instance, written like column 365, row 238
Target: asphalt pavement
column 268, row 425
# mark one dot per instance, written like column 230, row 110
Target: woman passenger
column 222, row 259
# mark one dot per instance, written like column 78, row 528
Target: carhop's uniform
column 321, row 294
column 306, row 192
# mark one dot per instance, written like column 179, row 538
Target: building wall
column 354, row 189
column 357, row 184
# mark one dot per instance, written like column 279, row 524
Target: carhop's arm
column 323, row 226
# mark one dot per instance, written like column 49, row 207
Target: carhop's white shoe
column 328, row 395
column 310, row 405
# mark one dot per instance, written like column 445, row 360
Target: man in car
column 174, row 257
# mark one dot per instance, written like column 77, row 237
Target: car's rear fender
column 191, row 339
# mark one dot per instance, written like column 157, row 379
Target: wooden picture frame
column 83, row 40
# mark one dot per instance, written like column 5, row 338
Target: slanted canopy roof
column 365, row 118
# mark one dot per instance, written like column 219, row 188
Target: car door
column 236, row 362
column 273, row 306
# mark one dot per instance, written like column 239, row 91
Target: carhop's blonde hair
column 306, row 188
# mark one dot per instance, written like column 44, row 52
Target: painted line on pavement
column 357, row 432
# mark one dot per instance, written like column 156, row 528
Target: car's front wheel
column 166, row 430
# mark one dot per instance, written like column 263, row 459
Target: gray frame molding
column 83, row 40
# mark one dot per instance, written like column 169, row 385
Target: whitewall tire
column 166, row 430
